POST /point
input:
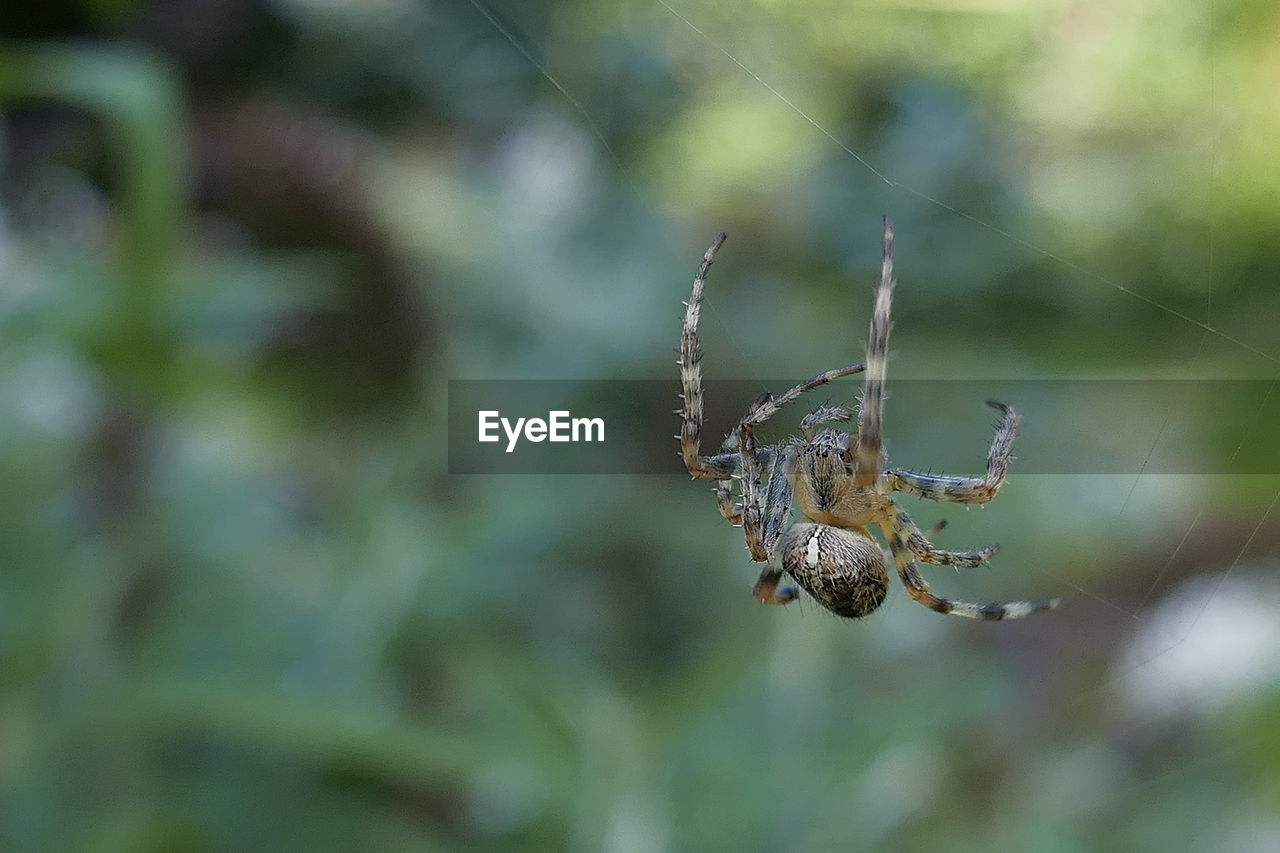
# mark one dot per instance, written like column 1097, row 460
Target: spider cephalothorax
column 837, row 479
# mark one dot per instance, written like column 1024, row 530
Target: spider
column 839, row 482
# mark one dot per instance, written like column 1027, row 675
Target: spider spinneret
column 838, row 481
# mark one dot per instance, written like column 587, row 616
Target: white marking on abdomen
column 811, row 551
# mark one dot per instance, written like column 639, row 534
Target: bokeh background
column 245, row 243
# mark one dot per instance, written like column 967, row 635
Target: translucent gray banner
column 1068, row 427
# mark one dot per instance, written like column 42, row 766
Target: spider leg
column 869, row 446
column 724, row 500
column 778, row 497
column 920, row 591
column 826, row 414
column 722, row 465
column 766, row 589
column 776, row 522
column 967, row 490
column 766, row 406
column 732, row 511
column 920, row 545
column 753, row 511
column 763, row 525
column 707, row 468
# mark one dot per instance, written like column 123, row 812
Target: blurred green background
column 245, row 243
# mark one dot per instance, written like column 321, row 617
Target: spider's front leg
column 720, row 467
column 723, row 466
column 967, row 490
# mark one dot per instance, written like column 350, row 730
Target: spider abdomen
column 844, row 570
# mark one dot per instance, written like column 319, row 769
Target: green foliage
column 245, row 246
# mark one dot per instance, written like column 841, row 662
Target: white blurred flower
column 1212, row 641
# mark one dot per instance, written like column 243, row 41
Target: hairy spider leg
column 722, row 467
column 823, row 415
column 966, row 490
column 924, row 550
column 920, row 591
column 869, row 446
column 690, row 363
column 766, row 406
column 776, row 517
column 753, row 507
